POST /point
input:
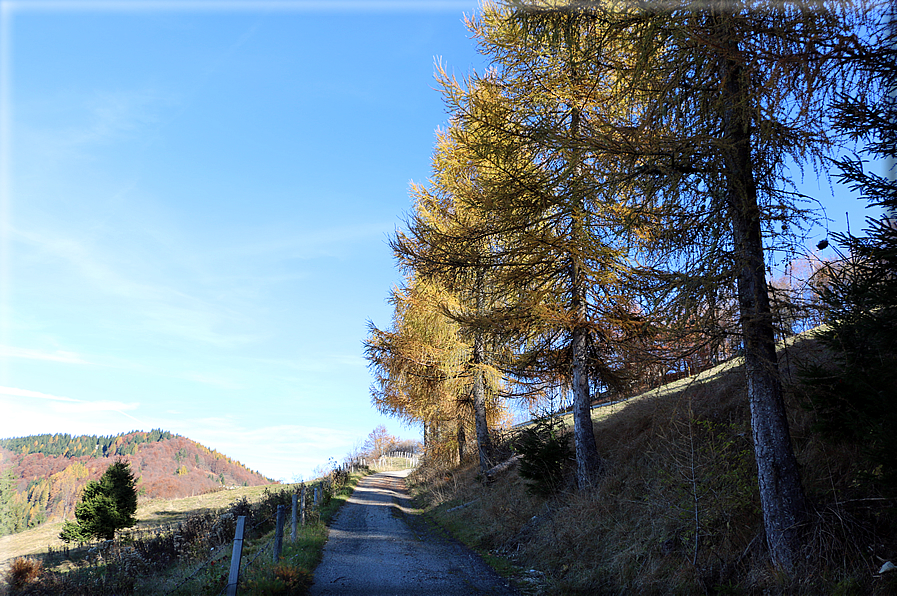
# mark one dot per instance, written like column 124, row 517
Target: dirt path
column 372, row 551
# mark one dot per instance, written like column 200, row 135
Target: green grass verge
column 292, row 573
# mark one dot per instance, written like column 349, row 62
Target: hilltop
column 43, row 475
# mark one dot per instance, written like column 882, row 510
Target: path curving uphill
column 372, row 551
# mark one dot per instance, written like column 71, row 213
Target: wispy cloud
column 78, row 124
column 311, row 243
column 217, row 302
column 30, row 354
column 71, row 405
column 320, row 363
column 24, row 413
column 214, row 381
column 12, row 391
column 171, row 309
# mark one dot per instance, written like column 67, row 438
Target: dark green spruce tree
column 107, row 505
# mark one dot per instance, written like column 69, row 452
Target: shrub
column 22, row 572
column 545, row 455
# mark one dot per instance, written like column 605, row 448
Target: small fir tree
column 107, row 505
column 546, row 455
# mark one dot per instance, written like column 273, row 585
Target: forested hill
column 43, row 475
column 69, row 446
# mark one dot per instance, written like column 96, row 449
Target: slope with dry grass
column 679, row 512
column 152, row 514
column 183, row 547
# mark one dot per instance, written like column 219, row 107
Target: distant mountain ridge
column 43, row 475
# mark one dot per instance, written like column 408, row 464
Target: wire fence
column 249, row 564
column 189, row 556
column 304, row 507
column 221, row 550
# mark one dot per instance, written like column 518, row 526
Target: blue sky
column 196, row 214
column 196, row 202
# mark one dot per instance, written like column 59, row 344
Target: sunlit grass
column 150, row 514
column 677, row 511
column 202, row 570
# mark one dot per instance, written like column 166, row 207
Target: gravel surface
column 373, row 551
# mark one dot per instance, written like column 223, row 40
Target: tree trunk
column 478, row 393
column 781, row 493
column 484, row 442
column 588, row 463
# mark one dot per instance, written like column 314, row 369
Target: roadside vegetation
column 185, row 548
column 678, row 510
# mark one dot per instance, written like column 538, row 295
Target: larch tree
column 448, row 247
column 427, row 372
column 723, row 95
column 519, row 209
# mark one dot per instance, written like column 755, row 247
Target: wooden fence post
column 278, row 532
column 293, row 517
column 234, row 575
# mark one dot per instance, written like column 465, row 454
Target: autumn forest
column 45, row 474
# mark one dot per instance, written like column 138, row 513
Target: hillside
column 677, row 511
column 43, row 475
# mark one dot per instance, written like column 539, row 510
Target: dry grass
column 21, row 572
column 182, row 547
column 390, row 464
column 150, row 514
column 678, row 511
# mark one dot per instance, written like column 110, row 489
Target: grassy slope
column 259, row 575
column 678, row 511
column 151, row 514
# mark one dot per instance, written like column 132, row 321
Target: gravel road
column 372, row 551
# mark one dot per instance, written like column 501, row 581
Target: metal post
column 302, row 508
column 293, row 517
column 278, row 532
column 234, row 575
